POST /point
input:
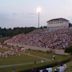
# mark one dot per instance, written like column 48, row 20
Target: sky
column 22, row 13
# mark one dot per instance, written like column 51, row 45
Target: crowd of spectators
column 61, row 68
column 60, row 38
column 6, row 51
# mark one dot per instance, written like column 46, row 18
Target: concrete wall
column 56, row 51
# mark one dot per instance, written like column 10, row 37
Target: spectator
column 65, row 67
column 41, row 71
column 49, row 69
column 61, row 68
column 45, row 70
column 56, row 70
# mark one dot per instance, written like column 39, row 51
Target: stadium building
column 58, row 23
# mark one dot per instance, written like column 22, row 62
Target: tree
column 69, row 50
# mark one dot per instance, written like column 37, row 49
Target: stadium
column 39, row 49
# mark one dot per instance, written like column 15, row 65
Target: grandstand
column 40, row 44
column 59, row 38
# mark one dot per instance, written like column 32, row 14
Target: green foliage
column 18, row 30
column 69, row 50
column 4, row 32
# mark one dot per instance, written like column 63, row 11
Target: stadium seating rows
column 43, row 38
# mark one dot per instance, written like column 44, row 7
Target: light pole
column 38, row 10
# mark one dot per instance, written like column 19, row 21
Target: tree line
column 4, row 32
column 69, row 50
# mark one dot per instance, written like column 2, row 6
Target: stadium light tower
column 38, row 10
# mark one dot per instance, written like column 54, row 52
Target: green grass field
column 27, row 60
column 69, row 69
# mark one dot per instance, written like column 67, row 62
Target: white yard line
column 12, row 65
column 37, row 57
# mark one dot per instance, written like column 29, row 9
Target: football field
column 28, row 60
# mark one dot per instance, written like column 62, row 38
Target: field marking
column 37, row 56
column 22, row 64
